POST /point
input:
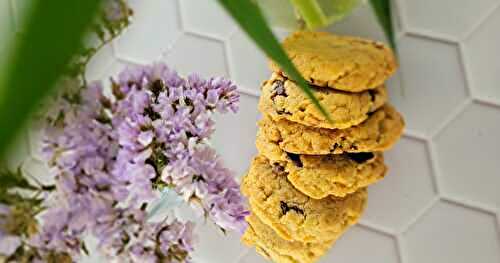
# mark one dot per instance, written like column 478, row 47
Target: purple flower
column 112, row 153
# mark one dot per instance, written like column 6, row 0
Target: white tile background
column 441, row 199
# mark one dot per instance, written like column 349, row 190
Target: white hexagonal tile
column 361, row 245
column 253, row 257
column 249, row 66
column 466, row 155
column 453, row 18
column 482, row 70
column 407, row 189
column 196, row 54
column 451, row 233
column 432, row 80
column 206, row 18
column 236, row 143
column 213, row 246
column 154, row 29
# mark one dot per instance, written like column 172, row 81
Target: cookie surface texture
column 339, row 62
column 260, row 235
column 318, row 176
column 293, row 215
column 283, row 99
column 378, row 133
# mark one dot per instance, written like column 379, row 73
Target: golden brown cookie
column 339, row 62
column 283, row 99
column 293, row 215
column 378, row 133
column 260, row 235
column 318, row 176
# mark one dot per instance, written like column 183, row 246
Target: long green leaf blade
column 53, row 32
column 382, row 9
column 249, row 17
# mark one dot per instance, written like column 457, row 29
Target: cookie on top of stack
column 308, row 183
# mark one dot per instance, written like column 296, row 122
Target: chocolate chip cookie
column 293, row 215
column 283, row 99
column 318, row 176
column 378, row 133
column 277, row 249
column 339, row 62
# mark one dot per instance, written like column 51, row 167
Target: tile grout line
column 466, row 35
column 465, row 70
column 498, row 227
column 128, row 61
column 401, row 12
column 432, row 158
column 249, row 92
column 475, row 206
column 451, row 117
column 422, row 212
column 397, row 18
column 478, row 208
column 378, row 231
column 401, row 249
column 487, row 102
column 433, row 36
column 376, row 228
column 180, row 17
column 227, row 60
column 415, row 135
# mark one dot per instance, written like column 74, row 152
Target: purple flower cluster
column 111, row 154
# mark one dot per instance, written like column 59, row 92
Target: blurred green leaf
column 382, row 9
column 52, row 33
column 281, row 13
column 311, row 12
column 321, row 13
column 336, row 10
column 248, row 15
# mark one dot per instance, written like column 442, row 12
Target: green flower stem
column 311, row 12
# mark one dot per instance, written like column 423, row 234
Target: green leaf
column 321, row 13
column 51, row 35
column 382, row 9
column 280, row 13
column 248, row 15
column 311, row 12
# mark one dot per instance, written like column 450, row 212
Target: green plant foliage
column 382, row 9
column 248, row 15
column 52, row 34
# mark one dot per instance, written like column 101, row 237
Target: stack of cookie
column 308, row 183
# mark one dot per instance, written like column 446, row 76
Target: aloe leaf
column 382, row 9
column 51, row 35
column 248, row 15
